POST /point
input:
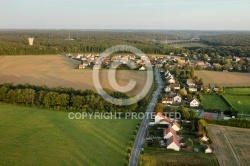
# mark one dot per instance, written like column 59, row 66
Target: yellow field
column 224, row 78
column 56, row 71
column 232, row 146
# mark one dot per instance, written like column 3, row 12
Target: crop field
column 214, row 102
column 237, row 91
column 159, row 158
column 55, row 70
column 224, row 78
column 32, row 136
column 232, row 146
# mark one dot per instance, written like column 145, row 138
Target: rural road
column 140, row 137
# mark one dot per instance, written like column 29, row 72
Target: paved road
column 140, row 137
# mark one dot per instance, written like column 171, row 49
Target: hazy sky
column 126, row 14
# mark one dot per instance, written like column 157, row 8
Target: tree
column 201, row 126
column 159, row 107
column 200, row 81
column 193, row 114
column 217, row 67
column 157, row 142
column 183, row 92
column 189, row 143
column 184, row 112
column 205, row 57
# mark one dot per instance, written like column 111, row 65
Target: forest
column 64, row 99
column 223, row 43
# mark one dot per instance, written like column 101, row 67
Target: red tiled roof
column 173, row 139
column 164, row 117
column 169, row 129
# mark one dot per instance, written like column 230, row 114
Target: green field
column 245, row 100
column 214, row 102
column 235, row 91
column 160, row 158
column 40, row 137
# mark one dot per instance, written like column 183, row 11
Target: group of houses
column 112, row 62
column 169, row 133
column 172, row 94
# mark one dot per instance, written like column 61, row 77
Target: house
column 177, row 99
column 204, row 138
column 194, row 103
column 176, row 126
column 142, row 68
column 172, row 94
column 190, row 82
column 168, row 132
column 204, row 86
column 167, row 89
column 81, row 66
column 208, row 149
column 173, row 143
column 161, row 119
column 192, row 88
column 175, row 86
column 171, row 80
column 167, row 101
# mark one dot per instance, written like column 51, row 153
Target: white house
column 171, row 80
column 194, row 103
column 177, row 99
column 167, row 89
column 167, row 101
column 190, row 82
column 168, row 132
column 192, row 88
column 176, row 126
column 142, row 68
column 175, row 86
column 161, row 119
column 208, row 149
column 173, row 143
column 204, row 138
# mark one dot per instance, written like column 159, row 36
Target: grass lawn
column 235, row 91
column 214, row 102
column 154, row 157
column 245, row 107
column 32, row 136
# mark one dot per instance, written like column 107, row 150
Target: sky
column 126, row 14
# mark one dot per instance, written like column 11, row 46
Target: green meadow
column 32, row 136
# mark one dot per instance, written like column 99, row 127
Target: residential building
column 194, row 103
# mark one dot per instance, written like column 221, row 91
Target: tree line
column 64, row 99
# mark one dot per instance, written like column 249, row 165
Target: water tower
column 31, row 40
